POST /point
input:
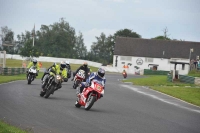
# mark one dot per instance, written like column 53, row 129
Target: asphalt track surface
column 125, row 108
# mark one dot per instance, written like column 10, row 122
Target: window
column 126, row 58
column 183, row 66
column 148, row 59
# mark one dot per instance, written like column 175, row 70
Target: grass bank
column 187, row 92
column 7, row 128
column 18, row 63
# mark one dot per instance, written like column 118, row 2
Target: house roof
column 126, row 46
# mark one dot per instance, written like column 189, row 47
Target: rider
column 83, row 67
column 48, row 70
column 57, row 69
column 99, row 76
column 68, row 67
column 33, row 63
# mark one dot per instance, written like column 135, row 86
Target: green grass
column 194, row 73
column 18, row 63
column 187, row 92
column 7, row 128
column 155, row 80
column 5, row 78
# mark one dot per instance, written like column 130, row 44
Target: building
column 165, row 55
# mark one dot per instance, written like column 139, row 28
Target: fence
column 153, row 72
column 12, row 71
column 186, row 79
column 2, row 58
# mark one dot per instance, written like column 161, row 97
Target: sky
column 147, row 18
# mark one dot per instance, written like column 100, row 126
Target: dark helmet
column 62, row 65
column 34, row 61
column 101, row 72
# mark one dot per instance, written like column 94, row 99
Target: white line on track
column 158, row 98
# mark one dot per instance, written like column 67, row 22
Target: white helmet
column 67, row 62
column 62, row 65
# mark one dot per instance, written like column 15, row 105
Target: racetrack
column 124, row 109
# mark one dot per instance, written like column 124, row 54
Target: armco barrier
column 187, row 79
column 155, row 72
column 12, row 71
column 169, row 78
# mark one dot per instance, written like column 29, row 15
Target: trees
column 127, row 33
column 79, row 48
column 164, row 37
column 7, row 37
column 57, row 40
column 102, row 50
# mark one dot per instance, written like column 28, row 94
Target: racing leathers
column 93, row 77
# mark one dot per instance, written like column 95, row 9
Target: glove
column 87, row 85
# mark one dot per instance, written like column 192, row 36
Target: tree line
column 60, row 40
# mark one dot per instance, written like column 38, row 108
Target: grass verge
column 6, row 78
column 187, row 92
column 18, row 63
column 7, row 128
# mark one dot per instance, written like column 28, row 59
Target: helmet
column 67, row 62
column 62, row 65
column 101, row 72
column 85, row 64
column 34, row 61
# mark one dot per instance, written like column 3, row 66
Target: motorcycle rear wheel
column 42, row 93
column 77, row 104
column 89, row 102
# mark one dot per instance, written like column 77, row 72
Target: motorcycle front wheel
column 89, row 102
column 49, row 91
column 76, row 84
column 29, row 78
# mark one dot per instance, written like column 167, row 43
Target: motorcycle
column 90, row 95
column 52, row 85
column 31, row 75
column 69, row 73
column 47, row 73
column 79, row 77
column 124, row 74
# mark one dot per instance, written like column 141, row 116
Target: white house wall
column 163, row 64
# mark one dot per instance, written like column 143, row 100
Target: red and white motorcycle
column 90, row 95
column 79, row 77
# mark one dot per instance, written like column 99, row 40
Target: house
column 154, row 54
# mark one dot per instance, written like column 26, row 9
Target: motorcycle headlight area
column 58, row 77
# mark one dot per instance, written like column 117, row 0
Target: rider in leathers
column 83, row 67
column 97, row 76
column 57, row 69
column 33, row 63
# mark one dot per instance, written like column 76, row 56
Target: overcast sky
column 92, row 17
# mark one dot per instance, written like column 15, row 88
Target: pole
column 33, row 34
